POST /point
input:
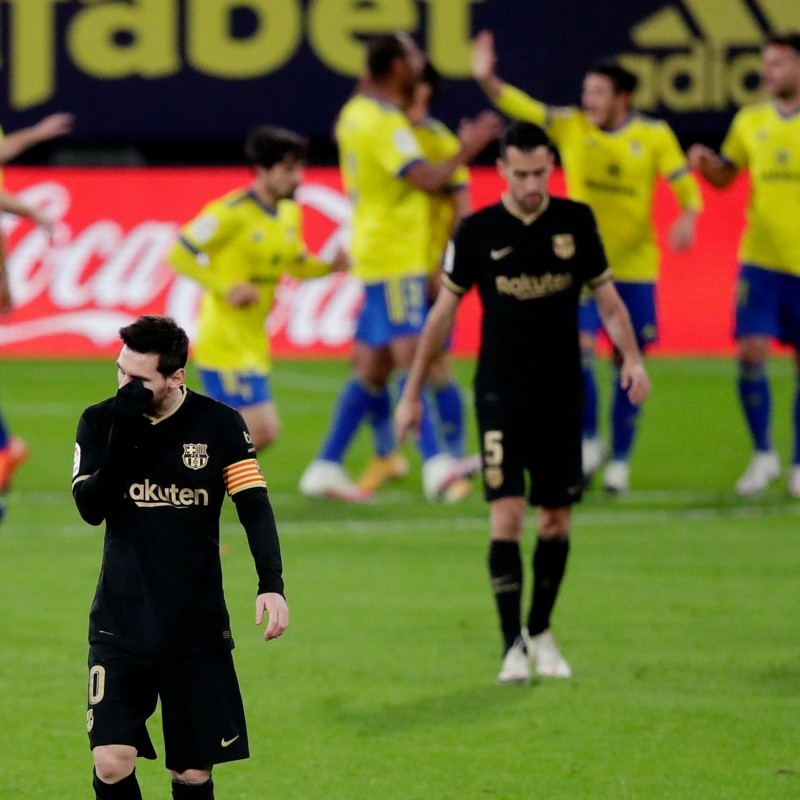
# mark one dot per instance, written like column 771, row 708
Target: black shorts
column 541, row 436
column 201, row 706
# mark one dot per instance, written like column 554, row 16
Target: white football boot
column 328, row 479
column 793, row 484
column 545, row 655
column 617, row 477
column 594, row 455
column 516, row 667
column 763, row 468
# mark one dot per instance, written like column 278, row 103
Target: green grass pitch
column 679, row 615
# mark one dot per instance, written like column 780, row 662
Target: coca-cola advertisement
column 104, row 264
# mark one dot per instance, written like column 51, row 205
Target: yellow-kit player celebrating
column 238, row 248
column 765, row 140
column 445, row 209
column 388, row 181
column 612, row 159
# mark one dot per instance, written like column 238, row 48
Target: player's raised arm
column 50, row 127
column 474, row 135
column 484, row 62
column 710, row 164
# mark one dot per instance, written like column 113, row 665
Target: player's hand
column 634, row 379
column 681, row 234
column 53, row 126
column 407, row 417
column 274, row 605
column 475, row 134
column 132, row 400
column 341, row 261
column 699, row 154
column 243, row 294
column 484, row 58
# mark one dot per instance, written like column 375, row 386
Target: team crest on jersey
column 564, row 245
column 195, row 456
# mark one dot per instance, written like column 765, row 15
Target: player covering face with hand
column 154, row 463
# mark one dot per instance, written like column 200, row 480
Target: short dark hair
column 524, row 136
column 160, row 335
column 787, row 39
column 621, row 79
column 382, row 51
column 268, row 145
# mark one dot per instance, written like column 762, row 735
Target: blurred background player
column 612, row 159
column 765, row 140
column 238, row 248
column 529, row 257
column 388, row 181
column 13, row 449
column 447, row 208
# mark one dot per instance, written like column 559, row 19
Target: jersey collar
column 272, row 212
column 526, row 219
column 178, row 405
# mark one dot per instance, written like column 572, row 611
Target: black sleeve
column 255, row 514
column 594, row 265
column 98, row 481
column 459, row 271
column 252, row 504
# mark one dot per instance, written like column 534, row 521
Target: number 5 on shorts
column 493, row 448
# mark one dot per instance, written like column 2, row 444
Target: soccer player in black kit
column 155, row 463
column 529, row 257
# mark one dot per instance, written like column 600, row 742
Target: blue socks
column 450, row 421
column 756, row 400
column 427, row 443
column 624, row 417
column 451, row 417
column 355, row 401
column 4, row 437
column 380, row 417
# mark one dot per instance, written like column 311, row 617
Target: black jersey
column 160, row 586
column 529, row 276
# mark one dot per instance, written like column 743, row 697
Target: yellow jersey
column 767, row 144
column 237, row 239
column 438, row 143
column 616, row 173
column 377, row 146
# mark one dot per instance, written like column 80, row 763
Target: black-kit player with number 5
column 154, row 463
column 528, row 256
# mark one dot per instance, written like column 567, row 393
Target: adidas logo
column 704, row 55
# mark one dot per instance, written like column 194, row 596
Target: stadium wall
column 105, row 263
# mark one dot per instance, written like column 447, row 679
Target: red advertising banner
column 104, row 265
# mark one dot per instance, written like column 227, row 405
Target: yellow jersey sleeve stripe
column 678, row 173
column 406, row 167
column 189, row 246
